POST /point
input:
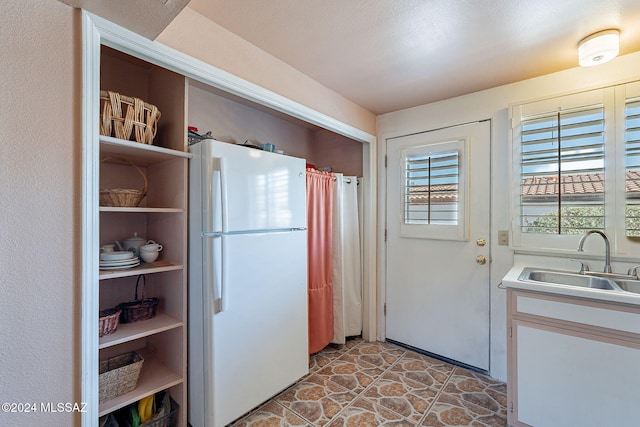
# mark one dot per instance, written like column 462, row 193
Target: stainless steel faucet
column 607, row 254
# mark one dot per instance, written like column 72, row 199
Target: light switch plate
column 503, row 237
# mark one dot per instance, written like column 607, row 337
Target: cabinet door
column 565, row 378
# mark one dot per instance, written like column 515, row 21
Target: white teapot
column 133, row 244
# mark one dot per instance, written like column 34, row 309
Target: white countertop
column 511, row 280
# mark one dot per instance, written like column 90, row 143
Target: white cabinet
column 162, row 217
column 565, row 368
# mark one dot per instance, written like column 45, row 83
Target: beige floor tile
column 361, row 384
column 353, row 375
column 331, row 352
column 364, row 413
column 449, row 411
column 380, row 355
column 407, row 398
column 316, row 399
column 422, row 369
column 479, row 390
column 271, row 414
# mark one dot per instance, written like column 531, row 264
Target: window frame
column 614, row 184
column 624, row 93
column 459, row 231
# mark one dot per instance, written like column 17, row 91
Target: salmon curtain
column 320, row 281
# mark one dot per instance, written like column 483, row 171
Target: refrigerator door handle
column 222, row 302
column 223, row 195
column 212, row 197
column 218, row 301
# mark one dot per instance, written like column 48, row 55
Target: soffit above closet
column 145, row 17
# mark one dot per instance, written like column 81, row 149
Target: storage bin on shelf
column 165, row 415
column 127, row 117
column 118, row 375
column 123, row 197
column 108, row 321
column 166, row 420
column 138, row 309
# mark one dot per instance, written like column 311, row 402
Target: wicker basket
column 129, row 118
column 108, row 322
column 123, row 197
column 139, row 309
column 118, row 375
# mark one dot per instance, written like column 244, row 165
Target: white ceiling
column 387, row 55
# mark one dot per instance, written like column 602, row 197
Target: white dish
column 115, row 263
column 120, row 267
column 116, row 256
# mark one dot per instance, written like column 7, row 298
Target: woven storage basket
column 139, row 309
column 118, row 375
column 108, row 322
column 129, row 118
column 123, row 197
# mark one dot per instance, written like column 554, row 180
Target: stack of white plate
column 118, row 260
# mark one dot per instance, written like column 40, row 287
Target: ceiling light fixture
column 599, row 48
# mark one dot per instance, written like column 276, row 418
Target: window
column 434, row 190
column 632, row 166
column 431, row 190
column 576, row 166
column 565, row 163
column 562, row 171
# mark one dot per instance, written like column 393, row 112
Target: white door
column 437, row 249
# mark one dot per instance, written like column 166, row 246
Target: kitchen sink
column 629, row 285
column 570, row 279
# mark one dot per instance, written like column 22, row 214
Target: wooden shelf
column 140, row 154
column 162, row 215
column 144, row 268
column 132, row 331
column 154, row 377
column 141, row 209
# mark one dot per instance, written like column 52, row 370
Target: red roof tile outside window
column 562, row 171
column 632, row 167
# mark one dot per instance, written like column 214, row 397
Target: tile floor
column 363, row 384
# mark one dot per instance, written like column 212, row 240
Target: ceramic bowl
column 149, row 256
column 153, row 247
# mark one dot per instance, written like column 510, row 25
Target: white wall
column 494, row 104
column 39, row 198
column 232, row 121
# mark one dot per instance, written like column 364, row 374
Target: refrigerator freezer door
column 250, row 189
column 259, row 343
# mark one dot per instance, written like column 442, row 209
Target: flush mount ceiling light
column 598, row 48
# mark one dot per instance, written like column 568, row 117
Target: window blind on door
column 432, row 188
column 562, row 171
column 632, row 166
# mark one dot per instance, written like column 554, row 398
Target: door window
column 434, row 192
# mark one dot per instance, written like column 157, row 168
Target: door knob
column 481, row 242
column 480, row 259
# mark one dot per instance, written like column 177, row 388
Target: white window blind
column 435, row 193
column 632, row 166
column 562, row 171
column 431, row 190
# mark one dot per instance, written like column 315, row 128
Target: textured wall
column 195, row 35
column 39, row 201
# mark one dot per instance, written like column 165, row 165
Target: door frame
column 382, row 215
column 98, row 31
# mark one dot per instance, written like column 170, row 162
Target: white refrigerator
column 248, row 333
